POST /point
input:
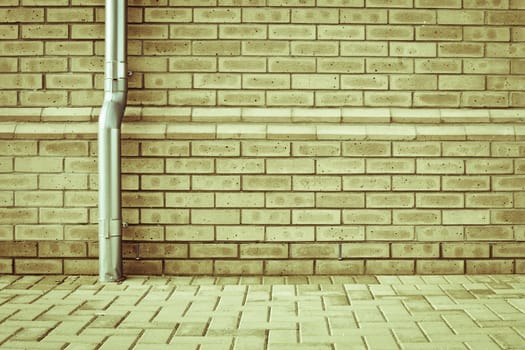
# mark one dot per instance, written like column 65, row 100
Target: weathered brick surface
column 271, row 53
column 242, row 204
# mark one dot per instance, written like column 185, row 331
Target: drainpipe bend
column 110, row 119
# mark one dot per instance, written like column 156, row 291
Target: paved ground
column 317, row 313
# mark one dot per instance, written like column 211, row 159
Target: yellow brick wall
column 409, row 53
column 274, row 198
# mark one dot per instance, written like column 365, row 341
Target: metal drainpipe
column 110, row 119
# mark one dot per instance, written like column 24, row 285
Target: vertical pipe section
column 110, row 119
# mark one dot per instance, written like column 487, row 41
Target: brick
column 389, row 65
column 367, row 216
column 416, row 183
column 380, row 32
column 134, row 199
column 466, row 216
column 412, row 17
column 240, row 233
column 507, row 216
column 320, row 81
column 440, row 166
column 460, row 50
column 222, row 250
column 189, row 233
column 367, row 183
column 190, row 165
column 266, row 216
column 465, row 250
column 318, row 250
column 364, row 48
column 284, row 64
column 39, row 198
column 277, row 47
column 266, row 183
column 63, row 215
column 368, row 16
column 316, row 16
column 193, row 64
column 18, row 147
column 266, row 81
column 466, row 183
column 467, row 82
column 242, row 31
column 266, row 148
column 289, row 233
column 316, row 216
column 317, row 183
column 65, row 15
column 143, row 233
column 432, row 99
column 225, row 267
column 168, row 47
column 341, row 32
column 38, row 266
column 44, row 31
column 290, row 98
column 18, row 181
column 340, row 233
column 18, row 249
column 389, row 233
column 290, row 166
column 389, row 267
column 489, row 200
column 354, row 267
column 490, row 266
column 289, row 267
column 21, row 48
column 170, row 15
column 39, row 164
column 50, row 249
column 21, row 81
column 192, row 31
column 217, row 81
column 218, row 183
column 189, row 267
column 145, row 267
column 18, row 216
column 240, row 166
column 314, row 48
column 392, row 166
column 340, row 166
column 439, row 200
column 289, row 200
column 389, row 200
column 265, row 15
column 417, row 149
column 502, row 149
column 164, row 216
column 439, row 33
column 466, row 149
column 217, row 15
column 439, row 233
column 433, row 267
column 62, row 181
column 240, row 200
column 241, row 64
column 398, row 99
column 416, row 217
column 21, row 14
column 413, row 49
column 508, row 250
column 80, row 267
column 489, row 166
column 415, row 250
column 438, row 65
column 366, row 149
column 264, row 251
column 6, row 164
column 489, row 233
column 339, row 200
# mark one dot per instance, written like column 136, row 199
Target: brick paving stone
column 281, row 312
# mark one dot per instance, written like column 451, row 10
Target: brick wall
column 410, row 53
column 438, row 192
column 227, row 166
